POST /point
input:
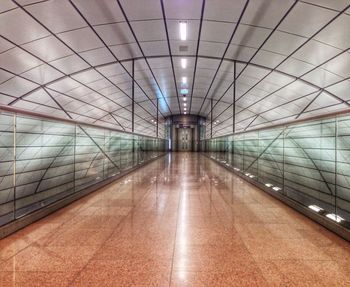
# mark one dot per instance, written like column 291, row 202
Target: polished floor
column 180, row 221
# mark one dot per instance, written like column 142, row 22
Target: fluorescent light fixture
column 185, row 113
column 247, row 174
column 268, row 184
column 185, row 104
column 315, row 208
column 185, row 99
column 183, row 31
column 237, row 169
column 276, row 188
column 184, row 91
column 184, row 80
column 251, row 176
column 183, row 63
column 335, row 217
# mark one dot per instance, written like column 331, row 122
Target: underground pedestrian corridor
column 183, row 220
column 174, row 143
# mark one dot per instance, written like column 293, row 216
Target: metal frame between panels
column 289, row 56
column 143, row 54
column 112, row 53
column 223, row 56
column 196, row 57
column 150, row 105
column 78, row 55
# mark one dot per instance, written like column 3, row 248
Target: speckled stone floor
column 180, row 221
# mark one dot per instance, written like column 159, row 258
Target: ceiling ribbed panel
column 75, row 58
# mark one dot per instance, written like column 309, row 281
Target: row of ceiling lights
column 184, row 89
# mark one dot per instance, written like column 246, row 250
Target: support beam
column 157, row 118
column 234, row 99
column 211, row 118
column 133, row 97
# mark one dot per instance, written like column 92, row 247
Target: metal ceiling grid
column 74, row 58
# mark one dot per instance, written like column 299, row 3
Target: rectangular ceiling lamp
column 184, row 91
column 183, row 31
column 183, row 63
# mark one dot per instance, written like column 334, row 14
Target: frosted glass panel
column 43, row 161
column 308, row 162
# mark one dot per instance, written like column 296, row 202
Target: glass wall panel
column 44, row 163
column 308, row 162
column 43, row 160
column 270, row 161
column 250, row 154
column 343, row 168
column 238, row 147
column 90, row 157
column 6, row 168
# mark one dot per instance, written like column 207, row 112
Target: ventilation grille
column 183, row 48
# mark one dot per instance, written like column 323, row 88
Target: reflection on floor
column 180, row 221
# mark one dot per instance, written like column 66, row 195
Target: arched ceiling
column 73, row 58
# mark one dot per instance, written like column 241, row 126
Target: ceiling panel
column 284, row 56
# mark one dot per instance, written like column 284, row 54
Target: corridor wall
column 43, row 161
column 307, row 162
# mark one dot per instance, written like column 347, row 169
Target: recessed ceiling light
column 184, row 99
column 185, row 113
column 184, row 80
column 183, row 31
column 184, row 63
column 185, row 104
column 276, row 188
column 268, row 184
column 184, row 91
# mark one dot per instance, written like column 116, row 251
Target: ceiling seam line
column 170, row 53
column 139, row 45
column 297, row 49
column 109, row 50
column 66, row 45
column 223, row 56
column 263, row 43
column 197, row 50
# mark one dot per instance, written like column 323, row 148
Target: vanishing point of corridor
column 179, row 221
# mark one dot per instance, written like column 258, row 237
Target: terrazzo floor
column 179, row 221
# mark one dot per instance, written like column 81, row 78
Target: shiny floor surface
column 180, row 221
